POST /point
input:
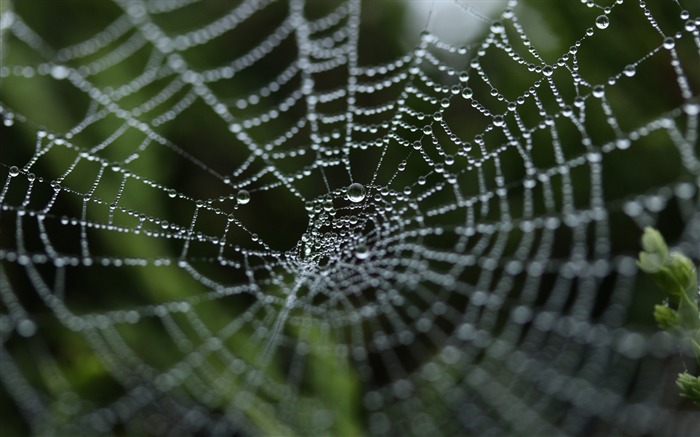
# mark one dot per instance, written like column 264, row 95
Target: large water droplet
column 362, row 251
column 594, row 157
column 497, row 27
column 598, row 91
column 59, row 72
column 602, row 22
column 669, row 43
column 324, row 264
column 630, row 70
column 14, row 171
column 691, row 108
column 26, row 328
column 328, row 204
column 356, row 192
column 243, row 197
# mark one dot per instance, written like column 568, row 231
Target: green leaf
column 649, row 262
column 653, row 242
column 689, row 386
column 666, row 317
column 677, row 277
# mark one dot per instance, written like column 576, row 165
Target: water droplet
column 630, row 70
column 598, row 91
column 691, row 108
column 547, row 71
column 59, row 72
column 467, row 93
column 623, row 143
column 324, row 263
column 26, row 328
column 602, row 22
column 14, row 171
column 690, row 26
column 356, row 192
column 669, row 43
column 362, row 251
column 498, row 120
column 172, row 193
column 497, row 27
column 594, row 157
column 243, row 197
column 328, row 204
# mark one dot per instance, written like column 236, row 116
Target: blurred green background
column 652, row 165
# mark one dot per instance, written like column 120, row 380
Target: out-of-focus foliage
column 386, row 32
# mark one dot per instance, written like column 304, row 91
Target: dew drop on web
column 356, row 192
column 669, row 43
column 598, row 91
column 602, row 22
column 362, row 251
column 243, row 197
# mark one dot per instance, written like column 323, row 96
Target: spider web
column 238, row 219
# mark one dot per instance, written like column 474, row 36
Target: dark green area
column 197, row 135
